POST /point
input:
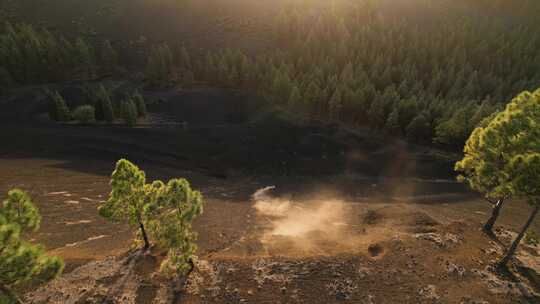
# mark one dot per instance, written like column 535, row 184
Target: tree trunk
column 145, row 237
column 512, row 250
column 6, row 291
column 494, row 215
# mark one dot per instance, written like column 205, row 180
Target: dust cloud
column 318, row 226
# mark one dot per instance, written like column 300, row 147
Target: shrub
column 85, row 114
column 140, row 104
column 21, row 262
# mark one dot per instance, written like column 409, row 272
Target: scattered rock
column 112, row 279
column 342, row 289
column 499, row 286
column 429, row 292
column 455, row 270
column 446, row 240
column 369, row 300
column 363, row 272
column 469, row 300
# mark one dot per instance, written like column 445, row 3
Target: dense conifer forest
column 428, row 71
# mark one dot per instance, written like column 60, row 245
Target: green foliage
column 455, row 130
column 21, row 263
column 84, row 114
column 502, row 158
column 408, row 110
column 140, row 104
column 524, row 172
column 419, row 129
column 160, row 66
column 103, row 105
column 35, row 56
column 376, row 113
column 162, row 212
column 354, row 62
column 496, row 148
column 392, row 126
column 126, row 200
column 129, row 112
column 170, row 224
column 84, row 55
column 58, row 109
column 351, row 61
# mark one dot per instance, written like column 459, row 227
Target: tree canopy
column 21, row 263
column 502, row 158
column 492, row 146
column 162, row 212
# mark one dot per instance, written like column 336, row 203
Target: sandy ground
column 298, row 243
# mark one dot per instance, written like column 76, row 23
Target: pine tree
column 419, row 129
column 170, row 225
column 21, row 262
column 335, row 105
column 500, row 144
column 159, row 68
column 392, row 126
column 129, row 112
column 455, row 129
column 58, row 109
column 90, row 94
column 376, row 113
column 408, row 109
column 161, row 212
column 103, row 102
column 140, row 104
column 84, row 57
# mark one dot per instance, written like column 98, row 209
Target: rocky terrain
column 354, row 217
